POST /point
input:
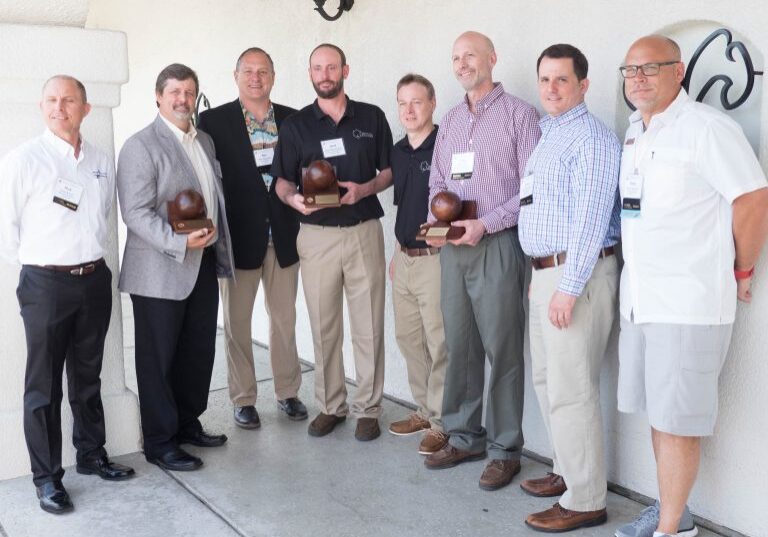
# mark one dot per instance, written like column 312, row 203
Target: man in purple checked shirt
column 480, row 154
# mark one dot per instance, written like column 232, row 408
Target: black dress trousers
column 175, row 347
column 65, row 321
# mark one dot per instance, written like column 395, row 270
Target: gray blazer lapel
column 172, row 147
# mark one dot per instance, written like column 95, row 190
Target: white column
column 31, row 54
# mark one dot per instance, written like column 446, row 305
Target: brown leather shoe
column 559, row 519
column 412, row 424
column 367, row 429
column 433, row 441
column 449, row 456
column 545, row 487
column 324, row 424
column 499, row 473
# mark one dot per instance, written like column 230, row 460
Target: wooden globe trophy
column 319, row 185
column 447, row 207
column 186, row 213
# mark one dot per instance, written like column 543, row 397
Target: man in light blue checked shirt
column 569, row 224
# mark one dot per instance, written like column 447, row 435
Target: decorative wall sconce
column 344, row 5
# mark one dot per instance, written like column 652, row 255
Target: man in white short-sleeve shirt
column 694, row 201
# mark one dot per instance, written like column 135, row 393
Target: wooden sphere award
column 447, row 207
column 186, row 213
column 319, row 185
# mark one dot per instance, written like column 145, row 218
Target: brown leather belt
column 77, row 270
column 418, row 252
column 550, row 261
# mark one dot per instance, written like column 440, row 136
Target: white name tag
column 333, row 148
column 526, row 190
column 263, row 157
column 67, row 193
column 631, row 195
column 462, row 165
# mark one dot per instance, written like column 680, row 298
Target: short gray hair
column 175, row 71
column 77, row 83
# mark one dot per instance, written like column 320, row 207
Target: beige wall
column 384, row 39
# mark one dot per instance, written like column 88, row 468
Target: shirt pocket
column 666, row 174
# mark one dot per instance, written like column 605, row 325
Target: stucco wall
column 384, row 39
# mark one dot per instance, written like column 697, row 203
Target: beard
column 330, row 93
column 183, row 113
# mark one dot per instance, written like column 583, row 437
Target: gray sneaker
column 648, row 521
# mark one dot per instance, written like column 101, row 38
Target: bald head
column 660, row 44
column 653, row 93
column 67, row 78
column 479, row 41
column 473, row 60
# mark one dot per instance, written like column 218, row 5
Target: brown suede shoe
column 559, row 519
column 545, row 487
column 324, row 424
column 412, row 424
column 433, row 441
column 449, row 456
column 367, row 429
column 499, row 473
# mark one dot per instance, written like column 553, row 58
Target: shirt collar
column 63, row 147
column 486, row 101
column 349, row 110
column 270, row 117
column 566, row 117
column 669, row 114
column 179, row 134
column 427, row 145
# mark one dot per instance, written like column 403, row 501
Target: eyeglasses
column 648, row 69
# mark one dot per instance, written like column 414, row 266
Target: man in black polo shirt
column 341, row 249
column 415, row 267
column 263, row 230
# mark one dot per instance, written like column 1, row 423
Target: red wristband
column 743, row 274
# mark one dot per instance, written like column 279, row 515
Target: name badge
column 67, row 194
column 263, row 157
column 333, row 148
column 526, row 190
column 631, row 194
column 462, row 165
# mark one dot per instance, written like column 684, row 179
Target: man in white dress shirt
column 56, row 193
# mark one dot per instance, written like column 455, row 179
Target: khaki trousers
column 336, row 261
column 419, row 330
column 238, row 296
column 566, row 376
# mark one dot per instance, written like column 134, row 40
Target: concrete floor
column 280, row 482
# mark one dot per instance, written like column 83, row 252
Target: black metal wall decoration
column 201, row 99
column 344, row 5
column 731, row 46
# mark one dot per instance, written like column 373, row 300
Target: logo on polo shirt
column 357, row 134
column 424, row 166
column 98, row 174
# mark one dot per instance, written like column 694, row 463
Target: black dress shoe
column 110, row 471
column 247, row 417
column 177, row 460
column 293, row 407
column 54, row 498
column 202, row 439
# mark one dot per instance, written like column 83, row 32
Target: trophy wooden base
column 190, row 226
column 324, row 196
column 444, row 230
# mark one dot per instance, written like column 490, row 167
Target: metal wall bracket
column 344, row 5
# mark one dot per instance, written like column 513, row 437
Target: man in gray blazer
column 171, row 277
